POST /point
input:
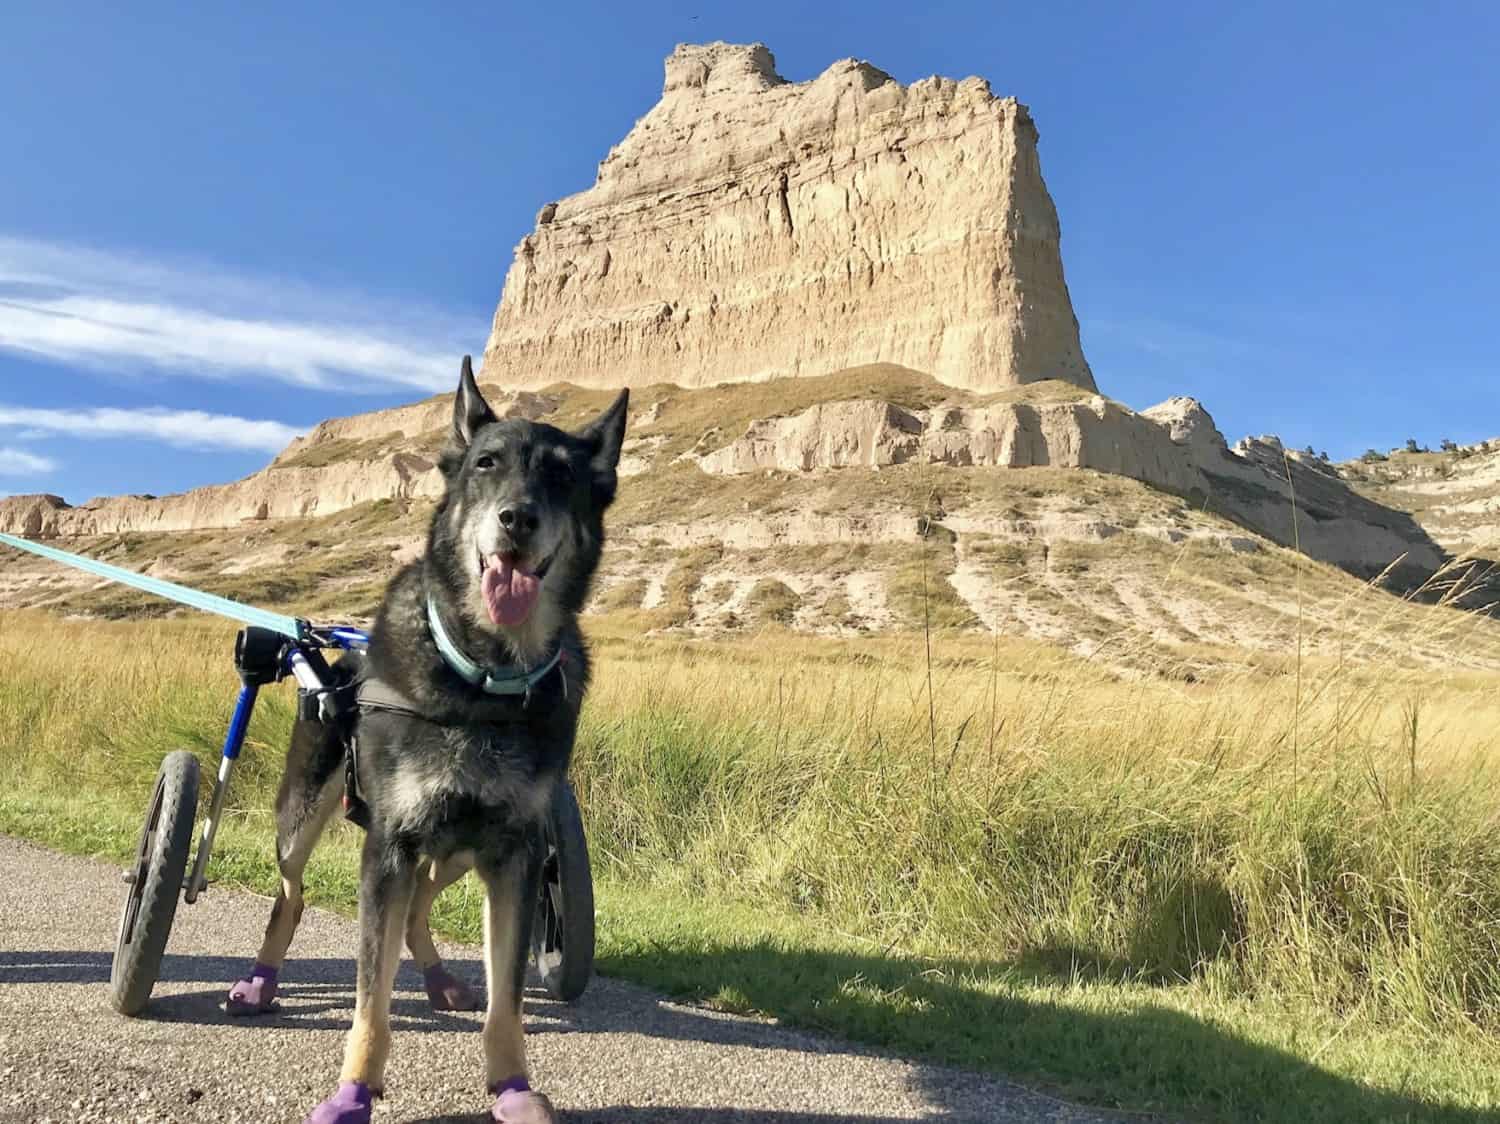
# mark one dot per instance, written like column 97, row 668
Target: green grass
column 1243, row 903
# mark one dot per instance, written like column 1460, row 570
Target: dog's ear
column 471, row 412
column 604, row 435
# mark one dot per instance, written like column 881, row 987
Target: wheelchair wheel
column 155, row 883
column 562, row 933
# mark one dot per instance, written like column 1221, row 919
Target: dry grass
column 771, row 602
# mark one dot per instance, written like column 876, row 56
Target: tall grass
column 1334, row 845
column 1131, row 830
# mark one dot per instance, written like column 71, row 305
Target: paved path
column 622, row 1054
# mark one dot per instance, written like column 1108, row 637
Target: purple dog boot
column 254, row 995
column 517, row 1104
column 446, row 992
column 350, row 1105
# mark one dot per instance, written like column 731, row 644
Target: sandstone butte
column 750, row 228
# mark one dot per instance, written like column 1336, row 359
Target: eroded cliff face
column 1455, row 494
column 1176, row 447
column 342, row 463
column 750, row 228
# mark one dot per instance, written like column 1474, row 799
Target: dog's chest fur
column 442, row 777
column 473, row 767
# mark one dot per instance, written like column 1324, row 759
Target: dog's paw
column 352, row 1104
column 253, row 995
column 446, row 992
column 522, row 1106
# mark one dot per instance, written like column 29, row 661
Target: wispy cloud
column 189, row 429
column 76, row 305
column 1168, row 340
column 17, row 462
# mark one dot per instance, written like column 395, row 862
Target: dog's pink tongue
column 509, row 592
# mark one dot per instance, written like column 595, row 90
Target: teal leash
column 488, row 680
column 193, row 598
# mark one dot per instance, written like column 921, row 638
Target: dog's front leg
column 387, row 879
column 510, row 899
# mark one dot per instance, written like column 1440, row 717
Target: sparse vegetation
column 771, row 602
column 919, row 588
column 1452, row 493
column 341, row 450
column 838, row 612
column 718, row 592
column 688, row 568
column 627, row 594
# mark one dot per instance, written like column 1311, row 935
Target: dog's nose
column 519, row 520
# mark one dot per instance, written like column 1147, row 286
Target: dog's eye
column 484, row 461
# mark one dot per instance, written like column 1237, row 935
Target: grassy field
column 1270, row 895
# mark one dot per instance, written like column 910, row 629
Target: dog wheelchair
column 562, row 931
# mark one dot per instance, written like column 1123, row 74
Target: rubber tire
column 565, row 965
column 151, row 901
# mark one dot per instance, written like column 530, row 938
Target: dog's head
column 517, row 537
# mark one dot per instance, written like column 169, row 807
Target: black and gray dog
column 456, row 763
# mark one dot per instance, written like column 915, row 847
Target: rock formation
column 750, row 228
column 1456, row 493
column 381, row 455
column 1175, row 447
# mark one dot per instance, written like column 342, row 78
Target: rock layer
column 750, row 228
column 1175, row 447
column 1455, row 494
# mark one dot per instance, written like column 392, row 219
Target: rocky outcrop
column 1092, row 433
column 750, row 228
column 1455, row 494
column 1292, row 500
column 34, row 516
column 342, row 462
column 272, row 493
column 1174, row 447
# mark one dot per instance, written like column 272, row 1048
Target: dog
column 455, row 762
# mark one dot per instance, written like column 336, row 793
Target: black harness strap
column 343, row 705
column 364, row 695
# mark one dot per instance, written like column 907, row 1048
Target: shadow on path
column 1153, row 1058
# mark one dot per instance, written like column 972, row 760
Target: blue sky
column 220, row 224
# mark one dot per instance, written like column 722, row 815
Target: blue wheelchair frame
column 300, row 658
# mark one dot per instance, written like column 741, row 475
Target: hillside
column 873, row 500
column 1455, row 495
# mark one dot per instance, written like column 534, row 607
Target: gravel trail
column 621, row 1054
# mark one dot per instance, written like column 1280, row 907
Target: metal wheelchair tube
column 303, row 672
column 233, row 740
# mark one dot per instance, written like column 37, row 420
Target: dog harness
column 373, row 695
